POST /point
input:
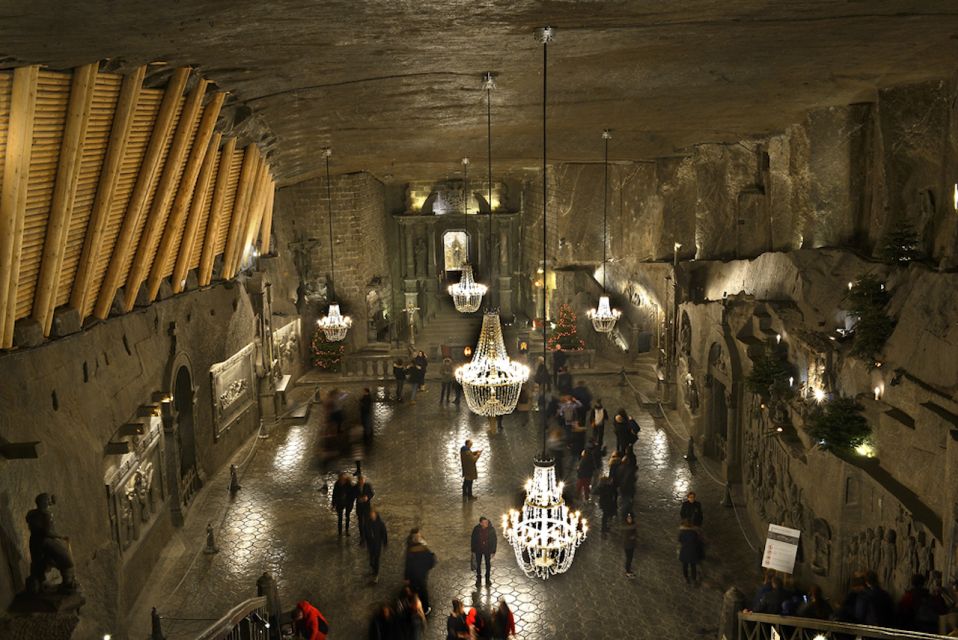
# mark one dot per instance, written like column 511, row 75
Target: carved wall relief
column 135, row 488
column 286, row 346
column 234, row 388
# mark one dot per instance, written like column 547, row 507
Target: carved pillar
column 733, row 434
column 431, row 284
column 506, row 308
column 408, row 264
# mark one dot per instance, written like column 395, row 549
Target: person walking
column 468, row 458
column 411, row 618
column 446, row 380
column 503, row 622
column 308, row 622
column 422, row 363
column 344, row 497
column 456, row 627
column 366, row 415
column 615, row 460
column 383, row 624
column 399, row 373
column 559, row 359
column 691, row 510
column 690, row 551
column 363, row 492
column 419, row 562
column 584, row 472
column 376, row 540
column 484, row 545
column 620, row 428
column 597, row 420
column 542, row 378
column 606, row 493
column 630, row 538
column 625, row 472
column 581, row 393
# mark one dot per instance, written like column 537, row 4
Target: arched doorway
column 186, row 433
column 716, row 415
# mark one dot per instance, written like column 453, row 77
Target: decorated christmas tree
column 326, row 355
column 565, row 333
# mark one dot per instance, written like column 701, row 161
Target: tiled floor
column 280, row 522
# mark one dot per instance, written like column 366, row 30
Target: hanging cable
column 605, row 210
column 329, row 210
column 489, row 86
column 546, row 37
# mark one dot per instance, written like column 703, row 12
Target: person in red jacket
column 308, row 622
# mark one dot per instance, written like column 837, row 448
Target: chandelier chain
column 329, row 210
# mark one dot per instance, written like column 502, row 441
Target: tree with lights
column 566, row 333
column 326, row 355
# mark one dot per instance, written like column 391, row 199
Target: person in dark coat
column 503, row 622
column 366, row 415
column 542, row 377
column 484, row 546
column 559, row 360
column 606, row 493
column 630, row 538
column 815, row 606
column 383, row 624
column 614, row 461
column 581, row 393
column 399, row 373
column 773, row 599
column 422, row 363
column 597, row 421
column 344, row 497
column 376, row 540
column 625, row 472
column 364, row 493
column 416, row 374
column 584, row 472
column 411, row 619
column 308, row 622
column 620, row 427
column 468, row 459
column 690, row 551
column 856, row 587
column 918, row 609
column 456, row 627
column 564, row 381
column 874, row 606
column 419, row 562
column 691, row 510
column 447, row 379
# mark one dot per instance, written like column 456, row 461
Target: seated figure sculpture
column 47, row 548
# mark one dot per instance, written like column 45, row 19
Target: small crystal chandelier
column 604, row 317
column 491, row 381
column 545, row 534
column 467, row 293
column 334, row 324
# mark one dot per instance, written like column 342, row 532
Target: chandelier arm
column 329, row 211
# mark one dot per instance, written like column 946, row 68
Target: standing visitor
column 630, row 537
column 417, row 377
column 581, row 393
column 484, row 545
column 366, row 415
column 584, row 473
column 564, row 380
column 625, row 472
column 334, row 410
column 597, row 420
column 419, row 562
column 559, row 358
column 691, row 510
column 543, row 379
column 456, row 627
column 468, row 458
column 376, row 541
column 308, row 622
column 503, row 622
column 399, row 373
column 620, row 427
column 421, row 362
column 690, row 551
column 606, row 493
column 364, row 495
column 344, row 497
column 446, row 379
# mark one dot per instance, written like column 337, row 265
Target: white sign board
column 781, row 546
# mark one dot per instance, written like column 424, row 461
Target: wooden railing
column 760, row 626
column 246, row 621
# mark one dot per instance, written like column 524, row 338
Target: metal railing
column 248, row 620
column 762, row 626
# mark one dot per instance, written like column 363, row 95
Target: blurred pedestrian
column 691, row 510
column 583, row 484
column 468, row 459
column 343, row 499
column 446, row 380
column 399, row 373
column 364, row 493
column 456, row 627
column 366, row 415
column 376, row 540
column 690, row 551
column 419, row 562
column 503, row 622
column 630, row 537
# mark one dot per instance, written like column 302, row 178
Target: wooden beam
column 64, row 192
column 118, row 448
column 162, row 128
column 109, row 173
column 192, row 230
column 255, row 216
column 266, row 228
column 216, row 212
column 165, row 190
column 21, row 450
column 243, row 188
column 13, row 193
column 186, row 192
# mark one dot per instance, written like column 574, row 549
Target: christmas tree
column 326, row 354
column 565, row 334
column 901, row 244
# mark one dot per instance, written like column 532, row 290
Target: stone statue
column 822, row 541
column 141, row 488
column 926, row 557
column 210, row 540
column 874, row 548
column 889, row 557
column 47, row 548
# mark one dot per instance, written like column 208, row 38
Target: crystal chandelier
column 334, row 324
column 467, row 293
column 545, row 534
column 604, row 316
column 491, row 381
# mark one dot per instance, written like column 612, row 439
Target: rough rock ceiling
column 393, row 85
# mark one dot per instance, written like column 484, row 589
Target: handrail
column 223, row 627
column 827, row 628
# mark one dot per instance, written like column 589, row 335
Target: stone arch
column 722, row 437
column 182, row 460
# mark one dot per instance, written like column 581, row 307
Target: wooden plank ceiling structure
column 108, row 186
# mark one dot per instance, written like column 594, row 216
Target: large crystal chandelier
column 334, row 324
column 604, row 316
column 491, row 381
column 467, row 293
column 546, row 533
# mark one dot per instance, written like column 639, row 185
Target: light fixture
column 545, row 533
column 334, row 324
column 954, row 196
column 819, row 395
column 491, row 381
column 604, row 316
column 467, row 293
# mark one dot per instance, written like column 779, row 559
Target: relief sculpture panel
column 134, row 487
column 234, row 388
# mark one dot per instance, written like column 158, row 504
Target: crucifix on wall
column 410, row 312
